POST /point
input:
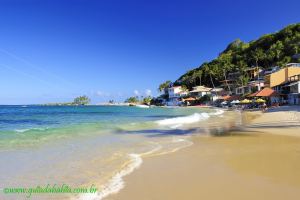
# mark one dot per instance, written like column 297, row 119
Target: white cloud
column 148, row 92
column 136, row 92
column 119, row 94
column 99, row 93
column 102, row 94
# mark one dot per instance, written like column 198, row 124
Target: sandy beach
column 245, row 164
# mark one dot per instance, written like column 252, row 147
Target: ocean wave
column 116, row 183
column 179, row 121
column 30, row 129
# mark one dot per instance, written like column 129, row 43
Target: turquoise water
column 84, row 145
column 28, row 125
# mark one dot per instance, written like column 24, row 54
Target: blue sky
column 52, row 51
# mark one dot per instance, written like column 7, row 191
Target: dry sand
column 243, row 165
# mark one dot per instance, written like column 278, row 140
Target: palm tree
column 225, row 61
column 210, row 71
column 258, row 55
column 197, row 74
column 164, row 86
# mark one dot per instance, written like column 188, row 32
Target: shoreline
column 205, row 165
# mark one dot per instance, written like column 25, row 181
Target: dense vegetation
column 137, row 100
column 81, row 100
column 268, row 51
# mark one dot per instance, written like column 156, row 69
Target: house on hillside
column 256, row 81
column 252, row 86
column 230, row 83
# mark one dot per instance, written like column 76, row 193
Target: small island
column 78, row 101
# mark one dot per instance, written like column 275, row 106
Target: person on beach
column 264, row 107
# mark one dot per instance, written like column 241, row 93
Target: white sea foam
column 21, row 130
column 178, row 121
column 28, row 129
column 176, row 126
column 116, row 183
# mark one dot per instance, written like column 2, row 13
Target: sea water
column 93, row 145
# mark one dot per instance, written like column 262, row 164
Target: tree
column 197, row 74
column 269, row 50
column 243, row 79
column 81, row 100
column 258, row 55
column 205, row 98
column 147, row 100
column 132, row 100
column 276, row 50
column 184, row 88
column 210, row 72
column 164, row 86
column 225, row 62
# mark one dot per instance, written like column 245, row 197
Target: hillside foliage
column 270, row 50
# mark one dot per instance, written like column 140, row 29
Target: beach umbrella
column 260, row 101
column 232, row 102
column 235, row 102
column 245, row 101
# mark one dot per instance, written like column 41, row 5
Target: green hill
column 268, row 51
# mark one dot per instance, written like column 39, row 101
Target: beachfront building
column 294, row 90
column 272, row 97
column 252, row 86
column 200, row 91
column 280, row 76
column 291, row 90
column 285, row 81
column 217, row 94
column 175, row 93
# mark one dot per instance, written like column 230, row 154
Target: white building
column 250, row 87
column 200, row 91
column 217, row 93
column 175, row 93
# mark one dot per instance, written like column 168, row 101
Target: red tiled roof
column 253, row 94
column 266, row 92
column 231, row 98
column 189, row 99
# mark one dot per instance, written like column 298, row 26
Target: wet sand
column 248, row 164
